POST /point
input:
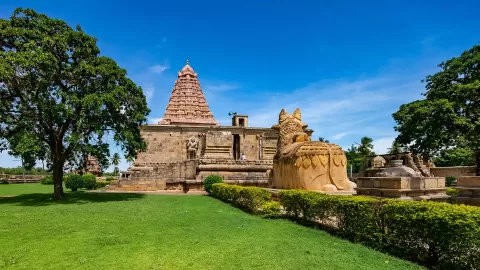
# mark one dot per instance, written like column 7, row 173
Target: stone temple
column 188, row 144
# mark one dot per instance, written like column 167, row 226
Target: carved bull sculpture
column 303, row 164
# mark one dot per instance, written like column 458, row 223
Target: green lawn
column 134, row 231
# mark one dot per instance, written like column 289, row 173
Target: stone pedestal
column 236, row 172
column 406, row 188
column 469, row 187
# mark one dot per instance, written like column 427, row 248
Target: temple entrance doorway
column 236, row 146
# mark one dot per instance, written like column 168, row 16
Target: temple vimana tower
column 188, row 144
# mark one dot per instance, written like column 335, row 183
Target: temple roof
column 187, row 103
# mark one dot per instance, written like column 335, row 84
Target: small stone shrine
column 188, row 144
column 91, row 167
column 402, row 176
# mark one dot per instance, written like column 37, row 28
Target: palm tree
column 396, row 148
column 130, row 159
column 321, row 139
column 116, row 159
column 365, row 148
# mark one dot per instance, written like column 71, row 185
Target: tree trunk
column 58, row 180
column 477, row 160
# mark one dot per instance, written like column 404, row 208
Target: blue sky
column 347, row 65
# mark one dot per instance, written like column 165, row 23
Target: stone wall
column 18, row 179
column 249, row 146
column 166, row 146
column 453, row 171
column 169, row 143
column 167, row 164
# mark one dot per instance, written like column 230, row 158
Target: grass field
column 134, row 231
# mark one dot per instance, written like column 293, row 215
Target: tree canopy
column 354, row 159
column 59, row 98
column 449, row 116
column 455, row 157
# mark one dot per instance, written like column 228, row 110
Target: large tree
column 60, row 98
column 449, row 116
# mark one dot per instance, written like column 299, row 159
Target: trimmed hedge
column 3, row 181
column 437, row 235
column 250, row 199
column 101, row 184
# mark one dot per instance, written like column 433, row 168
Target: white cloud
column 339, row 136
column 158, row 68
column 381, row 145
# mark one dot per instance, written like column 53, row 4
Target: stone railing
column 14, row 178
column 265, row 162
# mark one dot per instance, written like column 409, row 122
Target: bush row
column 76, row 181
column 251, row 199
column 438, row 235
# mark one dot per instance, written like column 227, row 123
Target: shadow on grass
column 79, row 197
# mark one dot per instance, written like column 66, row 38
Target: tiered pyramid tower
column 187, row 103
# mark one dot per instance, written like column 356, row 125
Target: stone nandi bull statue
column 302, row 164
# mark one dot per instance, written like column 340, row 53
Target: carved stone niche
column 192, row 147
column 218, row 144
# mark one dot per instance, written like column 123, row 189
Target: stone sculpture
column 378, row 162
column 303, row 164
column 192, row 147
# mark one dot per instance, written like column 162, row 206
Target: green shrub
column 449, row 180
column 89, row 181
column 109, row 178
column 47, row 180
column 3, row 181
column 74, row 182
column 271, row 209
column 452, row 192
column 437, row 235
column 101, row 184
column 248, row 198
column 210, row 180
